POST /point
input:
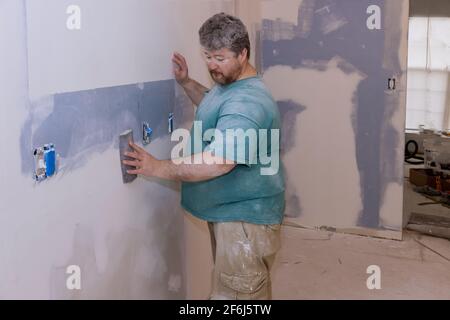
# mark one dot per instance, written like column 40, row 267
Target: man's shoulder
column 251, row 92
column 250, row 99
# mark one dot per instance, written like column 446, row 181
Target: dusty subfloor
column 324, row 265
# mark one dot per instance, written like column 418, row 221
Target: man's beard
column 221, row 79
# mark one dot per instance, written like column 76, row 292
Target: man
column 228, row 189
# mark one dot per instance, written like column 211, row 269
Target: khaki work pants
column 243, row 255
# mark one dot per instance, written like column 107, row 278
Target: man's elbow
column 218, row 166
column 227, row 168
column 223, row 169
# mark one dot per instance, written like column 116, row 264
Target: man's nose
column 212, row 65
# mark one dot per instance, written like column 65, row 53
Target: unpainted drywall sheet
column 116, row 44
column 79, row 89
column 327, row 63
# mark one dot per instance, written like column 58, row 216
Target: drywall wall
column 342, row 126
column 249, row 11
column 79, row 89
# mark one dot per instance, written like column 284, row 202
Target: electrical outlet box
column 170, row 122
column 44, row 162
column 146, row 133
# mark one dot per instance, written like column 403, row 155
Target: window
column 428, row 101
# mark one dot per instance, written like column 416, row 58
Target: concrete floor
column 323, row 265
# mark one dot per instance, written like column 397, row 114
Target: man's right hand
column 180, row 70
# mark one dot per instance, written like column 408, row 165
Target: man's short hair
column 225, row 31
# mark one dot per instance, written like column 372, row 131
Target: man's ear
column 243, row 55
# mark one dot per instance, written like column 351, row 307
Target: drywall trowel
column 124, row 146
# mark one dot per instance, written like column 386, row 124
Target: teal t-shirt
column 239, row 122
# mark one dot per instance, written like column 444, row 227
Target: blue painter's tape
column 50, row 161
column 149, row 131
